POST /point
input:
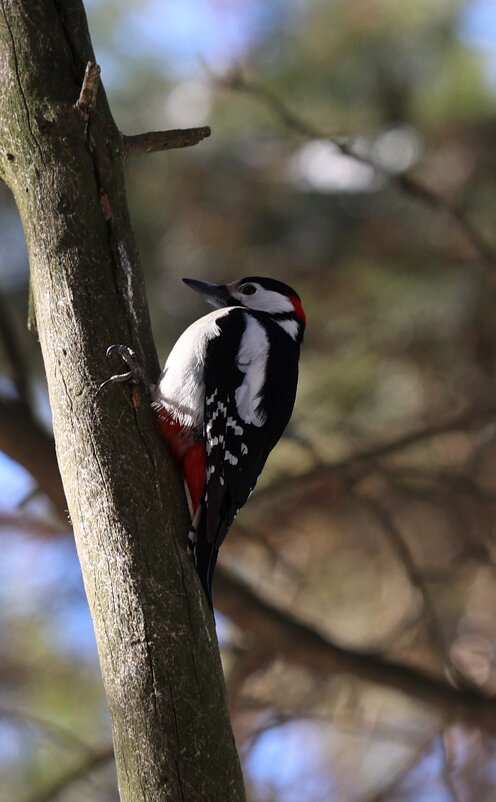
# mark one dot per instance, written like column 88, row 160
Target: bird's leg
column 135, row 374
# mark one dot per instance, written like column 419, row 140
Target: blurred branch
column 29, row 524
column 275, row 558
column 62, row 735
column 359, row 462
column 469, row 419
column 407, row 766
column 94, row 761
column 278, row 632
column 447, row 772
column 25, row 441
column 300, row 644
column 13, row 354
column 248, row 662
column 447, row 490
column 154, row 141
column 406, row 183
column 22, row 437
column 235, row 80
column 272, row 629
column 403, row 554
column 357, row 727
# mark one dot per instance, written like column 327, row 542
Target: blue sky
column 183, row 33
column 477, row 28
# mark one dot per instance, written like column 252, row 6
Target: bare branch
column 358, row 463
column 300, row 644
column 94, row 761
column 278, row 632
column 469, row 419
column 407, row 766
column 13, row 354
column 248, row 662
column 447, row 771
column 62, row 735
column 163, row 140
column 24, row 440
column 402, row 552
column 276, row 559
column 31, row 525
column 405, row 182
column 236, row 81
column 354, row 727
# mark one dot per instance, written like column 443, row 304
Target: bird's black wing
column 238, row 442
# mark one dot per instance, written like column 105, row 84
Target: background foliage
column 382, row 551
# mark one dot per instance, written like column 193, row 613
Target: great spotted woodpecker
column 224, row 398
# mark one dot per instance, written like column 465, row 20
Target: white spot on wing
column 237, row 430
column 220, row 410
column 231, row 458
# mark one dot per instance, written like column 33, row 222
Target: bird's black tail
column 203, row 551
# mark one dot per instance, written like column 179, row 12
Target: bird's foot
column 135, row 374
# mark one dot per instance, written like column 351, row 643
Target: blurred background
column 353, row 157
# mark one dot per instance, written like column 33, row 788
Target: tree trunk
column 155, row 635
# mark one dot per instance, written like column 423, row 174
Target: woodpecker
column 224, row 398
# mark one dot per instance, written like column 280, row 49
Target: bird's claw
column 135, row 374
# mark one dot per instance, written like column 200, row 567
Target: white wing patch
column 252, row 361
column 291, row 327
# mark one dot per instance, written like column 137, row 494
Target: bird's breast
column 180, row 390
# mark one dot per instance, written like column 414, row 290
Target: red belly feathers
column 189, row 454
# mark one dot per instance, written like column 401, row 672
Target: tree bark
column 155, row 635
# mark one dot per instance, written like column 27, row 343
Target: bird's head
column 259, row 294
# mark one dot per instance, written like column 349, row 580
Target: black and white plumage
column 224, row 398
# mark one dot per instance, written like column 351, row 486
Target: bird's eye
column 247, row 289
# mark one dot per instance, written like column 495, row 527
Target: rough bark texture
column 155, row 636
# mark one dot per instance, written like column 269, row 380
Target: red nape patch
column 300, row 314
column 194, row 472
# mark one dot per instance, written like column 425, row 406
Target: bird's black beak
column 216, row 294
